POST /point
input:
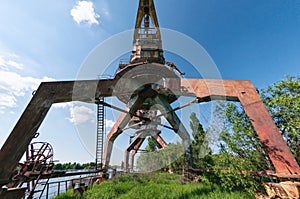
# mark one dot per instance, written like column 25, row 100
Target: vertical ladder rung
column 100, row 131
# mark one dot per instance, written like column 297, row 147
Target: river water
column 56, row 186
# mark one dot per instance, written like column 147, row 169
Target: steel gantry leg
column 245, row 93
column 205, row 90
column 160, row 142
column 134, row 152
column 178, row 127
column 136, row 144
column 118, row 127
column 113, row 134
column 35, row 112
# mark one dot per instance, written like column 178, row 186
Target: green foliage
column 241, row 153
column 68, row 195
column 242, row 141
column 233, row 173
column 156, row 160
column 199, row 145
column 283, row 102
column 74, row 166
column 151, row 145
column 158, row 185
column 242, row 150
column 197, row 129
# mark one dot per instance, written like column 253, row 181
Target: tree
column 200, row 150
column 197, row 129
column 242, row 141
column 58, row 166
column 283, row 102
column 151, row 145
column 242, row 150
column 171, row 157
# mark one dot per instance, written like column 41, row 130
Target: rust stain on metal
column 244, row 92
column 284, row 190
column 137, row 82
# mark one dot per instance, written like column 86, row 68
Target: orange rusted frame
column 134, row 152
column 88, row 90
column 140, row 14
column 117, row 129
column 136, row 144
column 177, row 125
column 29, row 122
column 159, row 141
column 244, row 92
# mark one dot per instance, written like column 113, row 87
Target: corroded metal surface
column 134, row 152
column 244, row 92
column 135, row 145
column 12, row 193
column 34, row 114
column 205, row 90
column 39, row 161
column 284, row 190
column 142, row 83
column 147, row 44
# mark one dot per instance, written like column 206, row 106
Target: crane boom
column 147, row 44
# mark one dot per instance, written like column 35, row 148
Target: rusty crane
column 148, row 85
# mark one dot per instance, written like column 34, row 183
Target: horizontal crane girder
column 87, row 91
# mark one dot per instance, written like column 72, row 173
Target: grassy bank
column 158, row 185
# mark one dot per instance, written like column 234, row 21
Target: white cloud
column 9, row 61
column 81, row 114
column 12, row 84
column 62, row 105
column 84, row 11
column 15, row 64
column 16, row 85
column 7, row 100
column 2, row 61
column 109, row 123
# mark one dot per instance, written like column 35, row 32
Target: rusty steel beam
column 152, row 13
column 135, row 145
column 118, row 127
column 159, row 141
column 112, row 135
column 34, row 114
column 13, row 193
column 134, row 152
column 88, row 90
column 244, row 92
column 177, row 125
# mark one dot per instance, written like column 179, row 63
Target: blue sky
column 47, row 41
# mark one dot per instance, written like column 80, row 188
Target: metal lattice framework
column 204, row 89
column 140, row 84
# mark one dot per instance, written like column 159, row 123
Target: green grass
column 157, row 185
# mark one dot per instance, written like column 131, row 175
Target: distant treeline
column 75, row 165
